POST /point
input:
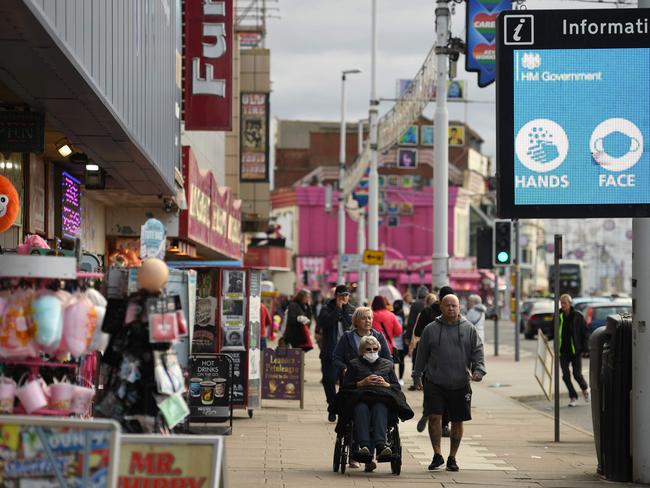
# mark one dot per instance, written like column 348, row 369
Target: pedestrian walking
column 573, row 345
column 416, row 307
column 385, row 322
column 334, row 320
column 450, row 355
column 476, row 314
column 299, row 316
column 400, row 346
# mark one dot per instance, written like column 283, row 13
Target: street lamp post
column 341, row 211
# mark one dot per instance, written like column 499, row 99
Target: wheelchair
column 345, row 441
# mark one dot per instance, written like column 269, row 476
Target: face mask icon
column 616, row 144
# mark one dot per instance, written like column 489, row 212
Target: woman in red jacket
column 384, row 321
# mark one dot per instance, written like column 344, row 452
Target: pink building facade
column 405, row 234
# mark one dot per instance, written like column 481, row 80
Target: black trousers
column 329, row 373
column 370, row 424
column 575, row 361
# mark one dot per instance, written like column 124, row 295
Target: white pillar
column 341, row 208
column 361, row 246
column 640, row 402
column 373, row 177
column 440, row 258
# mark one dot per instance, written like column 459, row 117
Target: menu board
column 210, row 385
column 48, row 452
column 204, row 334
column 254, row 356
column 233, row 308
column 239, row 377
column 282, row 374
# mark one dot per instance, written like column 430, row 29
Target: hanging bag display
column 47, row 315
column 61, row 395
column 32, row 394
column 16, row 328
column 82, row 399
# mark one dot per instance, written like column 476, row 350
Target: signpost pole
column 640, row 402
column 361, row 247
column 556, row 333
column 373, row 175
column 440, row 257
column 517, row 287
column 496, row 311
column 302, row 380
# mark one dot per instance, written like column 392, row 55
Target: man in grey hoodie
column 450, row 354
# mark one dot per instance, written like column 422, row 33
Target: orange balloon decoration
column 9, row 204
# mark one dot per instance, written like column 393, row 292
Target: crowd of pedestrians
column 363, row 350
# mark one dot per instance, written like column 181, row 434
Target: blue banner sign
column 481, row 19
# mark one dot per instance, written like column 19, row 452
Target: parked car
column 540, row 318
column 596, row 313
column 580, row 303
column 526, row 307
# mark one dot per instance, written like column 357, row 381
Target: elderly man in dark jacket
column 335, row 319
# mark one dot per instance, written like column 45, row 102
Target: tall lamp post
column 341, row 211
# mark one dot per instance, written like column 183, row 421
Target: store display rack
column 41, row 267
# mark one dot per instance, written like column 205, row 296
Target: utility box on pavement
column 596, row 343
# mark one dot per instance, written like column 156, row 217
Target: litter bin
column 596, row 343
column 616, row 385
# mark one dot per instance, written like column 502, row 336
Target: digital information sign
column 573, row 113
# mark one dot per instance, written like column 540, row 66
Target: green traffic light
column 503, row 257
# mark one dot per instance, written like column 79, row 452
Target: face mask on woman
column 371, row 357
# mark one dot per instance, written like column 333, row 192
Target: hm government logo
column 531, row 60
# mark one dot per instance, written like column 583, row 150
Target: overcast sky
column 316, row 39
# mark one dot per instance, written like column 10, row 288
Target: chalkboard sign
column 239, row 376
column 210, row 388
column 204, row 335
column 283, row 374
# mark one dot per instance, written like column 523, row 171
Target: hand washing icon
column 616, row 144
column 541, row 145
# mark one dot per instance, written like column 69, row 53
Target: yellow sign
column 373, row 257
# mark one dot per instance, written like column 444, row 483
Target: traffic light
column 502, row 245
column 484, row 248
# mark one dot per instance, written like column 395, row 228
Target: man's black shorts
column 457, row 402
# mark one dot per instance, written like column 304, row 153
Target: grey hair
column 356, row 315
column 567, row 296
column 368, row 340
column 474, row 299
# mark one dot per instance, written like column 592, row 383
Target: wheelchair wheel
column 336, row 462
column 344, row 456
column 396, row 466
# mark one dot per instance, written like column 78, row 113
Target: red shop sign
column 208, row 64
column 213, row 217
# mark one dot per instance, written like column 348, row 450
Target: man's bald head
column 450, row 308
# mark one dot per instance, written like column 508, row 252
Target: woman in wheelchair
column 370, row 393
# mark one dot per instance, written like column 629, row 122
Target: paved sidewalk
column 507, row 443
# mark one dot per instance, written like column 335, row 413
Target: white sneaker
column 587, row 396
column 572, row 403
column 401, row 382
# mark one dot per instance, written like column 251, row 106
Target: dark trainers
column 422, row 423
column 445, row 431
column 370, row 467
column 451, row 464
column 331, row 416
column 363, row 455
column 384, row 454
column 436, row 462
